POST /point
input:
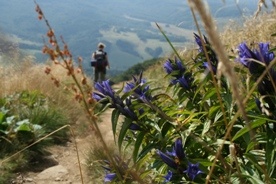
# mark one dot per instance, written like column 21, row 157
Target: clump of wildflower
column 139, row 89
column 117, row 172
column 105, row 94
column 168, row 177
column 205, row 46
column 177, row 160
column 179, row 73
column 173, row 158
column 193, row 170
column 256, row 60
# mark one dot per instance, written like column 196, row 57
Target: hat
column 101, row 45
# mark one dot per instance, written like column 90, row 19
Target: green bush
column 26, row 118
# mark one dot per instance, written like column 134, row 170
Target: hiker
column 100, row 62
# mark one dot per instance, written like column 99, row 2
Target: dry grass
column 253, row 31
column 27, row 75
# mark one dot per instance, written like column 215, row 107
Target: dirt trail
column 66, row 169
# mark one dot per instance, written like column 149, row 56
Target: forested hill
column 126, row 27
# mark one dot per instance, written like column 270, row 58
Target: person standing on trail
column 100, row 63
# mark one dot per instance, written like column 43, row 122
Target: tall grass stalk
column 55, row 52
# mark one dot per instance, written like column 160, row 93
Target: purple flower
column 178, row 147
column 193, row 170
column 199, row 42
column 168, row 66
column 183, row 82
column 104, row 88
column 175, row 67
column 134, row 127
column 209, row 52
column 109, row 177
column 177, row 152
column 104, row 91
column 167, row 160
column 256, row 61
column 206, row 65
column 97, row 96
column 178, row 72
column 249, row 58
column 138, row 88
column 168, row 177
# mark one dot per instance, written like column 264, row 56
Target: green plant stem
column 168, row 40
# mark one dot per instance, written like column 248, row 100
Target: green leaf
column 206, row 127
column 273, row 49
column 114, row 119
column 244, row 130
column 165, row 128
column 208, row 95
column 2, row 117
column 123, row 132
column 137, row 145
column 252, row 159
column 145, row 150
column 24, row 127
column 250, row 146
column 270, row 153
column 153, row 125
column 218, row 116
column 213, row 110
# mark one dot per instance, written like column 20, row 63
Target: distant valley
column 127, row 27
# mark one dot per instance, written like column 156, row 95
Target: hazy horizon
column 127, row 28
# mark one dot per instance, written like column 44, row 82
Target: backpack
column 100, row 60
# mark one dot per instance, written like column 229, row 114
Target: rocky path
column 65, row 167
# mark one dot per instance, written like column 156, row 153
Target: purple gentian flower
column 178, row 147
column 265, row 55
column 105, row 88
column 140, row 90
column 206, row 65
column 178, row 72
column 167, row 160
column 199, row 42
column 183, row 82
column 109, row 177
column 202, row 56
column 97, row 96
column 168, row 177
column 177, row 152
column 248, row 57
column 256, row 62
column 175, row 67
column 193, row 170
column 134, row 127
column 168, row 67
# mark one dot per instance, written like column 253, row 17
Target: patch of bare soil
column 62, row 166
